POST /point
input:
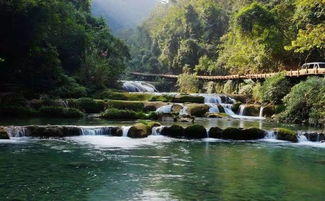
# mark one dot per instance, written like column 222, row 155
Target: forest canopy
column 219, row 37
column 57, row 47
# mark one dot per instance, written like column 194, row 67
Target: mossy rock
column 286, row 134
column 52, row 131
column 174, row 131
column 240, row 98
column 188, row 99
column 235, row 107
column 216, row 115
column 4, row 134
column 197, row 110
column 150, row 124
column 269, row 111
column 196, row 132
column 215, row 132
column 126, row 105
column 139, row 130
column 117, row 132
column 252, row 110
column 162, row 98
column 114, row 95
column 243, row 134
column 176, row 108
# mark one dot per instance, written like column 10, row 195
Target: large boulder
column 53, row 131
column 117, row 132
column 195, row 132
column 197, row 110
column 315, row 137
column 4, row 134
column 252, row 110
column 286, row 134
column 215, row 132
column 139, row 130
column 243, row 134
column 175, row 131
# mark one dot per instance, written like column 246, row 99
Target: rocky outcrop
column 139, row 130
column 195, row 132
column 174, row 131
column 242, row 134
column 188, row 99
column 197, row 110
column 52, row 131
column 4, row 134
column 315, row 137
column 215, row 132
column 252, row 110
column 286, row 134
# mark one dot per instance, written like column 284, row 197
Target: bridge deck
column 298, row 73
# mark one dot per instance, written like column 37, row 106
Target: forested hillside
column 218, row 37
column 58, row 48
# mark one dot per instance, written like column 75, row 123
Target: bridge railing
column 297, row 73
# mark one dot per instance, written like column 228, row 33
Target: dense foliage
column 57, row 47
column 229, row 37
column 306, row 102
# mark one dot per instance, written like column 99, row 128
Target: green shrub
column 275, row 88
column 60, row 112
column 306, row 102
column 188, row 83
column 247, row 88
column 126, row 105
column 89, row 105
column 16, row 111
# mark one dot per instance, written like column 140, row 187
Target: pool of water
column 98, row 168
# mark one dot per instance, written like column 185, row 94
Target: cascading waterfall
column 137, row 86
column 242, row 110
column 184, row 111
column 165, row 109
column 96, row 130
column 17, row 131
column 261, row 111
column 125, row 130
column 157, row 130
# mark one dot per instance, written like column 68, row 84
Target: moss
column 17, row 111
column 150, row 124
column 215, row 132
column 175, row 131
column 252, row 110
column 162, row 98
column 197, row 110
column 195, row 132
column 113, row 113
column 139, row 130
column 3, row 134
column 124, row 96
column 60, row 112
column 126, row 105
column 188, row 99
column 286, row 134
column 89, row 105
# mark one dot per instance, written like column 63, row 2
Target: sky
column 124, row 14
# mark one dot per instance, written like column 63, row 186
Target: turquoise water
column 97, row 168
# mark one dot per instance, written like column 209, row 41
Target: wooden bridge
column 297, row 73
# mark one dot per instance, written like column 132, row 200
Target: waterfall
column 270, row 135
column 165, row 109
column 157, row 130
column 137, row 86
column 96, row 130
column 125, row 130
column 184, row 111
column 213, row 108
column 17, row 131
column 261, row 111
column 242, row 110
